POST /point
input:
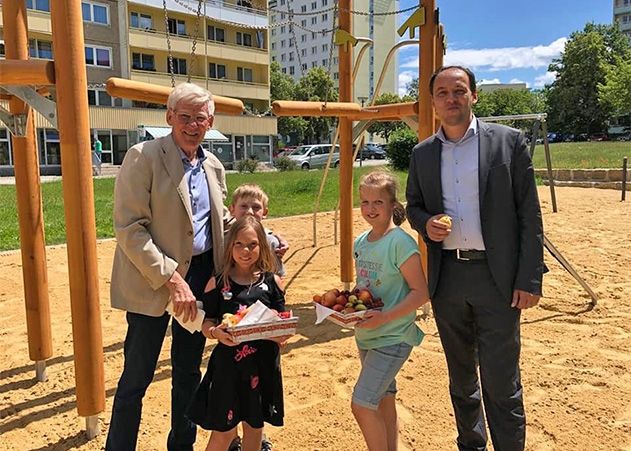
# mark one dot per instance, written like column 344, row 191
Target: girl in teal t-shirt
column 388, row 263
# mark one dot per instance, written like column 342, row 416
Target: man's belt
column 466, row 254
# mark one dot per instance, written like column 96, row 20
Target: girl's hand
column 223, row 336
column 372, row 320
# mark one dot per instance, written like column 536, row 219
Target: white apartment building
column 302, row 45
column 622, row 15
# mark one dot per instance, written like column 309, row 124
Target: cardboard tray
column 344, row 319
column 265, row 330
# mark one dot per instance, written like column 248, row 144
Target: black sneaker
column 266, row 445
column 235, row 445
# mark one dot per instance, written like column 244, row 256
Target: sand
column 576, row 360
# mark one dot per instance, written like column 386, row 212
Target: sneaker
column 235, row 445
column 266, row 445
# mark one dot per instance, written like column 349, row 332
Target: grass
column 290, row 193
column 583, row 155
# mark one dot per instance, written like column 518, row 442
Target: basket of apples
column 258, row 322
column 345, row 308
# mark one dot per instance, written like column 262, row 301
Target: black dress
column 244, row 382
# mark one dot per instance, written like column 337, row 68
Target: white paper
column 192, row 325
column 258, row 313
column 322, row 312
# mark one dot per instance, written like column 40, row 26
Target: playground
column 575, row 361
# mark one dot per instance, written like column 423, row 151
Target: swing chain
column 166, row 29
column 195, row 37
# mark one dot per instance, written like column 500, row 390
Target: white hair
column 191, row 93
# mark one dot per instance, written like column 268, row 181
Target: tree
column 385, row 129
column 282, row 87
column 411, row 89
column 573, row 98
column 504, row 102
column 317, row 86
column 615, row 92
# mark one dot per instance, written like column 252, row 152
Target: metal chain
column 166, row 28
column 195, row 36
column 290, row 13
column 330, row 61
column 351, row 11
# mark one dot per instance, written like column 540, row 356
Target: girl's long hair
column 385, row 181
column 266, row 262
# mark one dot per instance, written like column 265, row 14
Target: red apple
column 364, row 295
column 338, row 307
column 329, row 298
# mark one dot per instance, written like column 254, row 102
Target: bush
column 247, row 165
column 400, row 147
column 284, row 164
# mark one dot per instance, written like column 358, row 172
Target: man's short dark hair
column 466, row 70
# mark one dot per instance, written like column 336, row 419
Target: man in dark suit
column 485, row 262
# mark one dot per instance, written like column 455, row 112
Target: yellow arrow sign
column 416, row 20
column 344, row 37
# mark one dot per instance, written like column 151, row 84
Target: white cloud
column 405, row 78
column 517, row 80
column 506, row 58
column 492, row 81
column 545, row 79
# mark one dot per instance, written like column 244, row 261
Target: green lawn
column 583, row 155
column 290, row 193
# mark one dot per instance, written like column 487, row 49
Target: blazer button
column 186, row 262
column 190, row 232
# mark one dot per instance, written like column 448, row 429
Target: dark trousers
column 143, row 343
column 478, row 327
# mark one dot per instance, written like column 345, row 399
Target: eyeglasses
column 185, row 118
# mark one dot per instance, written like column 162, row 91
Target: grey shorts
column 379, row 370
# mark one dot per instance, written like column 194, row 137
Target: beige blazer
column 153, row 224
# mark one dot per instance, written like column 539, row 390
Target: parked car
column 599, row 137
column 312, row 156
column 372, row 151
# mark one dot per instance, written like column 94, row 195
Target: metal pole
column 546, row 146
column 346, row 149
column 29, row 202
column 624, row 179
column 74, row 131
column 533, row 140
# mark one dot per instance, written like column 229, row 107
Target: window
column 283, row 29
column 179, row 65
column 303, row 22
column 244, row 74
column 40, row 49
column 274, row 18
column 244, row 39
column 105, row 136
column 177, row 26
column 291, row 70
column 282, row 44
column 282, row 57
column 325, row 17
column 335, row 60
column 216, row 34
column 284, row 70
column 314, row 35
column 303, row 9
column 273, row 46
column 325, row 61
column 143, row 61
column 98, row 56
column 143, row 21
column 282, row 16
column 314, row 20
column 2, row 49
column 51, row 150
column 273, row 31
column 99, row 97
column 291, row 56
column 325, row 47
column 216, row 70
column 6, row 158
column 314, row 50
column 291, row 43
column 304, row 66
column 336, row 76
column 314, row 64
column 303, row 52
column 303, row 38
column 273, row 58
column 95, row 12
column 325, row 2
column 314, row 5
column 39, row 5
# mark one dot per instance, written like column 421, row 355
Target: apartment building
column 622, row 15
column 302, row 45
column 128, row 39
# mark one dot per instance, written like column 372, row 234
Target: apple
column 317, row 298
column 364, row 295
column 338, row 307
column 341, row 299
column 352, row 298
column 329, row 298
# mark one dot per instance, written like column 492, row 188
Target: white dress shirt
column 459, row 168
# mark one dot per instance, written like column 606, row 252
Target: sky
column 505, row 41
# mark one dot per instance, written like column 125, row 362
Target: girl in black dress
column 243, row 382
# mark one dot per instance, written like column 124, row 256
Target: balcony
column 38, row 21
column 625, row 9
column 216, row 9
column 155, row 40
column 222, row 87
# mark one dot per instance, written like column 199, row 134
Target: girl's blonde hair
column 385, row 181
column 266, row 261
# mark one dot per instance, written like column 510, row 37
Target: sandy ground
column 576, row 361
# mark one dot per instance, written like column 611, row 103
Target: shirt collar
column 472, row 130
column 200, row 156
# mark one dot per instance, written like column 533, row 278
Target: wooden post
column 624, row 179
column 427, row 63
column 440, row 54
column 346, row 149
column 76, row 166
column 29, row 202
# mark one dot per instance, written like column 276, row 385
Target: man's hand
column 182, row 297
column 523, row 300
column 436, row 230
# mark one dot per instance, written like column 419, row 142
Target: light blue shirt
column 200, row 201
column 459, row 169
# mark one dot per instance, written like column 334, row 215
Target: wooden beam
column 27, row 72
column 381, row 112
column 300, row 108
column 146, row 92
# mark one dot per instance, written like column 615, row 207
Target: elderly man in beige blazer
column 169, row 221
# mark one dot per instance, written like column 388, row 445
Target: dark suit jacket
column 509, row 207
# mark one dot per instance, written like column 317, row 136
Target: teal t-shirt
column 377, row 266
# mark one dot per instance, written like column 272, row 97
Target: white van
column 312, row 156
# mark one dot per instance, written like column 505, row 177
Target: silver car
column 312, row 156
